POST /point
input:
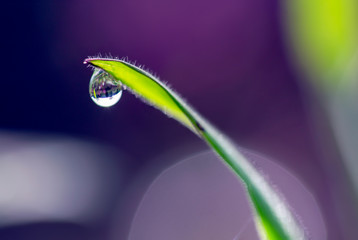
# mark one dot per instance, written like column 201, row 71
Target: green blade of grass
column 274, row 219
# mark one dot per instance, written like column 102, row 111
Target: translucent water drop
column 104, row 90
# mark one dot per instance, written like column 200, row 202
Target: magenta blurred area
column 72, row 170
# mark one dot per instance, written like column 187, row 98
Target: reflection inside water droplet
column 103, row 89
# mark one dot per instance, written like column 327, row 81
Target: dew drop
column 104, row 90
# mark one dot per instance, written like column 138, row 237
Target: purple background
column 210, row 204
column 229, row 59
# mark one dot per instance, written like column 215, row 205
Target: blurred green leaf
column 325, row 37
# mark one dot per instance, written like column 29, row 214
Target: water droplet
column 104, row 90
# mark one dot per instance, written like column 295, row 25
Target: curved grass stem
column 274, row 219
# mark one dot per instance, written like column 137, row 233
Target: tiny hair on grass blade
column 274, row 219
